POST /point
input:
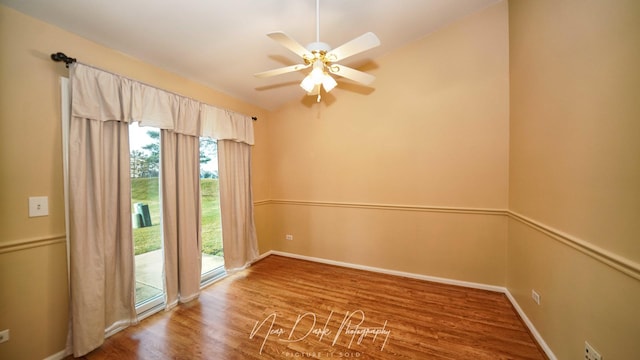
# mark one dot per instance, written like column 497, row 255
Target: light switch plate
column 4, row 336
column 38, row 206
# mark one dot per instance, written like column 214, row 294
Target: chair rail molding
column 23, row 244
column 620, row 263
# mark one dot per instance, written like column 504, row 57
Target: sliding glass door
column 212, row 252
column 144, row 150
column 147, row 220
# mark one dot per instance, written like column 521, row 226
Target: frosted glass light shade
column 317, row 75
column 308, row 84
column 328, row 83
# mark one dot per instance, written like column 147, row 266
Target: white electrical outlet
column 288, row 237
column 535, row 296
column 4, row 336
column 38, row 206
column 590, row 353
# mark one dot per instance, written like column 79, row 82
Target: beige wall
column 575, row 167
column 33, row 295
column 432, row 133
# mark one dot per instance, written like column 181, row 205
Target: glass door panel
column 144, row 150
column 212, row 251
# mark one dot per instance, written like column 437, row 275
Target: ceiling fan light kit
column 321, row 58
column 318, row 76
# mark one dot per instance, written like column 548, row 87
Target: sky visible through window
column 139, row 138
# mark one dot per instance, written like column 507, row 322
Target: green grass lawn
column 145, row 190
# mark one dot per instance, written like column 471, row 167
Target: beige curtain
column 236, row 204
column 101, row 259
column 180, row 183
column 101, row 250
column 100, row 234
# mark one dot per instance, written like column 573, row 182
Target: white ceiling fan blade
column 290, row 44
column 351, row 74
column 355, row 46
column 280, row 71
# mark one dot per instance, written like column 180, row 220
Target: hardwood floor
column 284, row 308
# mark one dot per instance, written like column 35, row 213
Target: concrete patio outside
column 149, row 282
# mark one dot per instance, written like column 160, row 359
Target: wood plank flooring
column 284, row 308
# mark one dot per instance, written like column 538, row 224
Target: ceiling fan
column 321, row 58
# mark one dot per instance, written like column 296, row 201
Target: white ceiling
column 222, row 43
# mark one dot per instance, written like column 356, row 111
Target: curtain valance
column 100, row 95
column 222, row 124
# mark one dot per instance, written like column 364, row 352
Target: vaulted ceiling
column 221, row 44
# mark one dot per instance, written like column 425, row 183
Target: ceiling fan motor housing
column 318, row 47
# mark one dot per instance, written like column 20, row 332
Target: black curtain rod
column 61, row 57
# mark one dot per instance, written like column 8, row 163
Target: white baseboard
column 59, row 355
column 468, row 284
column 534, row 332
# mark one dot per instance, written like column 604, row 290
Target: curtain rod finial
column 59, row 56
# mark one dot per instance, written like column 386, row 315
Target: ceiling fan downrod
column 317, row 20
column 318, row 47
